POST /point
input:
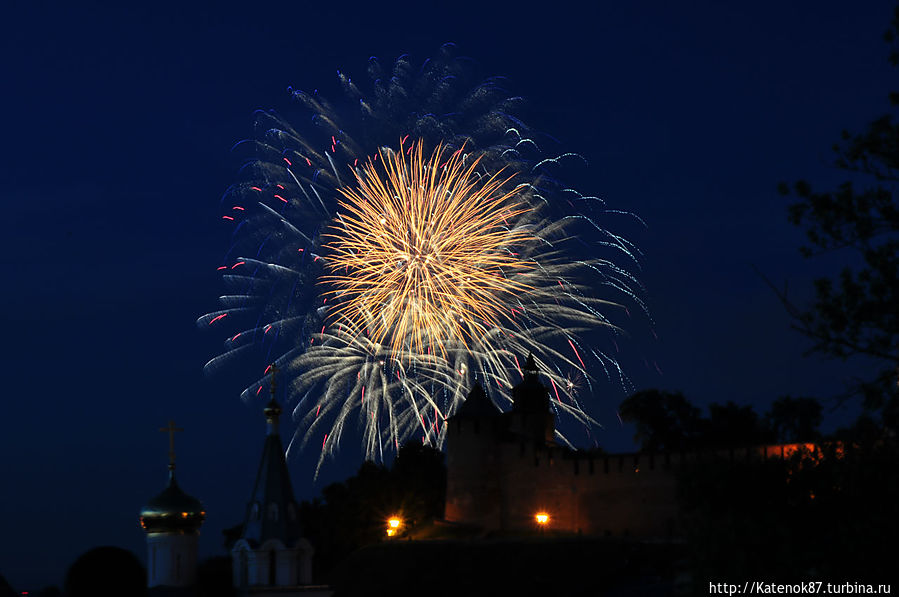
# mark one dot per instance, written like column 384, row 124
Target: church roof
column 477, row 404
column 273, row 512
column 172, row 510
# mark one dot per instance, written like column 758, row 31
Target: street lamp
column 393, row 525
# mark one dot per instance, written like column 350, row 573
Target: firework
column 425, row 255
column 391, row 257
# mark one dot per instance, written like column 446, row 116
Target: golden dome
column 172, row 511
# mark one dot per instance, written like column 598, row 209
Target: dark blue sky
column 118, row 125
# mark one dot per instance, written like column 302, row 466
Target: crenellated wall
column 618, row 495
column 499, row 480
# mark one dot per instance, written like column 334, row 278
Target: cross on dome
column 171, row 429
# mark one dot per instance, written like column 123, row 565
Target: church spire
column 273, row 510
column 273, row 409
column 271, row 552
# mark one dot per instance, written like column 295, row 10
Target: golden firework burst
column 425, row 250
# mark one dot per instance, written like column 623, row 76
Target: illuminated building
column 272, row 557
column 172, row 522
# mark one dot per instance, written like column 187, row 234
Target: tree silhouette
column 794, row 419
column 106, row 572
column 664, row 420
column 353, row 513
column 854, row 312
column 733, row 426
column 814, row 516
column 5, row 589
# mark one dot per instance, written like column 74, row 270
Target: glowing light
column 420, row 253
column 394, row 524
column 542, row 518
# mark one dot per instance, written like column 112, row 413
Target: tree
column 794, row 419
column 856, row 313
column 664, row 420
column 420, row 475
column 732, row 426
column 792, row 519
column 667, row 421
column 353, row 513
column 106, row 571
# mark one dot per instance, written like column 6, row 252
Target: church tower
column 272, row 553
column 172, row 522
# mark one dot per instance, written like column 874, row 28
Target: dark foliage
column 664, row 420
column 731, row 426
column 354, row 513
column 854, row 312
column 106, row 571
column 824, row 514
column 827, row 516
column 566, row 567
column 804, row 519
column 794, row 419
column 5, row 589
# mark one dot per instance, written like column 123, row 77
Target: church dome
column 172, row 511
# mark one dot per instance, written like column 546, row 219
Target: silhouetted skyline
column 116, row 153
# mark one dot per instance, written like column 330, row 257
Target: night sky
column 118, row 124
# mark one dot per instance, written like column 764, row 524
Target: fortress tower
column 477, row 437
column 531, row 418
column 472, row 468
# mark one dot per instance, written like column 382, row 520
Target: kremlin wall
column 503, row 469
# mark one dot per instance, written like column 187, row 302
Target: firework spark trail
column 387, row 281
column 427, row 252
